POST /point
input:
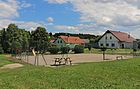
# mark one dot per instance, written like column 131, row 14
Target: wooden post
column 44, row 59
column 103, row 55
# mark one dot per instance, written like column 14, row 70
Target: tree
column 14, row 38
column 39, row 39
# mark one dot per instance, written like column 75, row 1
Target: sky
column 73, row 16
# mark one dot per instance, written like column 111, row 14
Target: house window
column 58, row 41
column 106, row 37
column 101, row 44
column 113, row 45
column 110, row 37
column 107, row 44
column 61, row 41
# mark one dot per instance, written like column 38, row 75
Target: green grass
column 123, row 74
column 110, row 51
column 4, row 60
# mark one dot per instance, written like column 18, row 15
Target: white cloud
column 24, row 4
column 50, row 20
column 57, row 1
column 9, row 8
column 9, row 11
column 21, row 24
column 81, row 28
column 122, row 14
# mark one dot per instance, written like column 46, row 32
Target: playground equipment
column 36, row 55
column 23, row 53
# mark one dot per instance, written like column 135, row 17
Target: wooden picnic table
column 119, row 57
column 59, row 60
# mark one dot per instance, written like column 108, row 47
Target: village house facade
column 116, row 39
column 70, row 41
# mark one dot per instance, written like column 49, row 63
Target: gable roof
column 72, row 39
column 52, row 40
column 121, row 36
column 86, row 40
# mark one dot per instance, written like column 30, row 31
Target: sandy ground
column 11, row 66
column 76, row 58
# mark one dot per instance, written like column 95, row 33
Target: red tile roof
column 72, row 39
column 122, row 36
column 52, row 40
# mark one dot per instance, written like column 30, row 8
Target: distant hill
column 82, row 36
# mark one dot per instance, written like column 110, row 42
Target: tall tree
column 39, row 39
column 14, row 38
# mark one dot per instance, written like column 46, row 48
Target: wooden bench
column 59, row 60
column 119, row 57
column 67, row 59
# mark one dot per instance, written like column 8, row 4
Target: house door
column 122, row 45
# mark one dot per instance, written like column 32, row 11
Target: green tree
column 14, row 38
column 39, row 39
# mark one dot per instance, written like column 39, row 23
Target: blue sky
column 41, row 10
column 74, row 16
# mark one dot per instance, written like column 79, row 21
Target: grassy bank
column 103, row 75
column 113, row 51
column 4, row 60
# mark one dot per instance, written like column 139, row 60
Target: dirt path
column 76, row 58
column 11, row 66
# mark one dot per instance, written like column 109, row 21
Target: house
column 116, row 39
column 68, row 40
column 86, row 42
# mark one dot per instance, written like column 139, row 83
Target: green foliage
column 79, row 49
column 103, row 48
column 65, row 50
column 54, row 49
column 1, row 50
column 39, row 39
column 4, row 61
column 13, row 38
column 83, row 36
column 134, row 50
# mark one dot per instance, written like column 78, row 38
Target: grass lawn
column 123, row 74
column 114, row 51
column 3, row 60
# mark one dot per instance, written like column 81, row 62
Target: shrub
column 79, row 49
column 1, row 49
column 103, row 48
column 53, row 50
column 134, row 50
column 65, row 50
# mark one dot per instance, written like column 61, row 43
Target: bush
column 53, row 50
column 134, row 50
column 103, row 48
column 65, row 50
column 79, row 49
column 1, row 50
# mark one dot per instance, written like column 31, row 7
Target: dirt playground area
column 76, row 58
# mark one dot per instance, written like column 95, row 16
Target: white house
column 116, row 39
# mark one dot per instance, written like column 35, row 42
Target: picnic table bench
column 59, row 60
column 119, row 57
